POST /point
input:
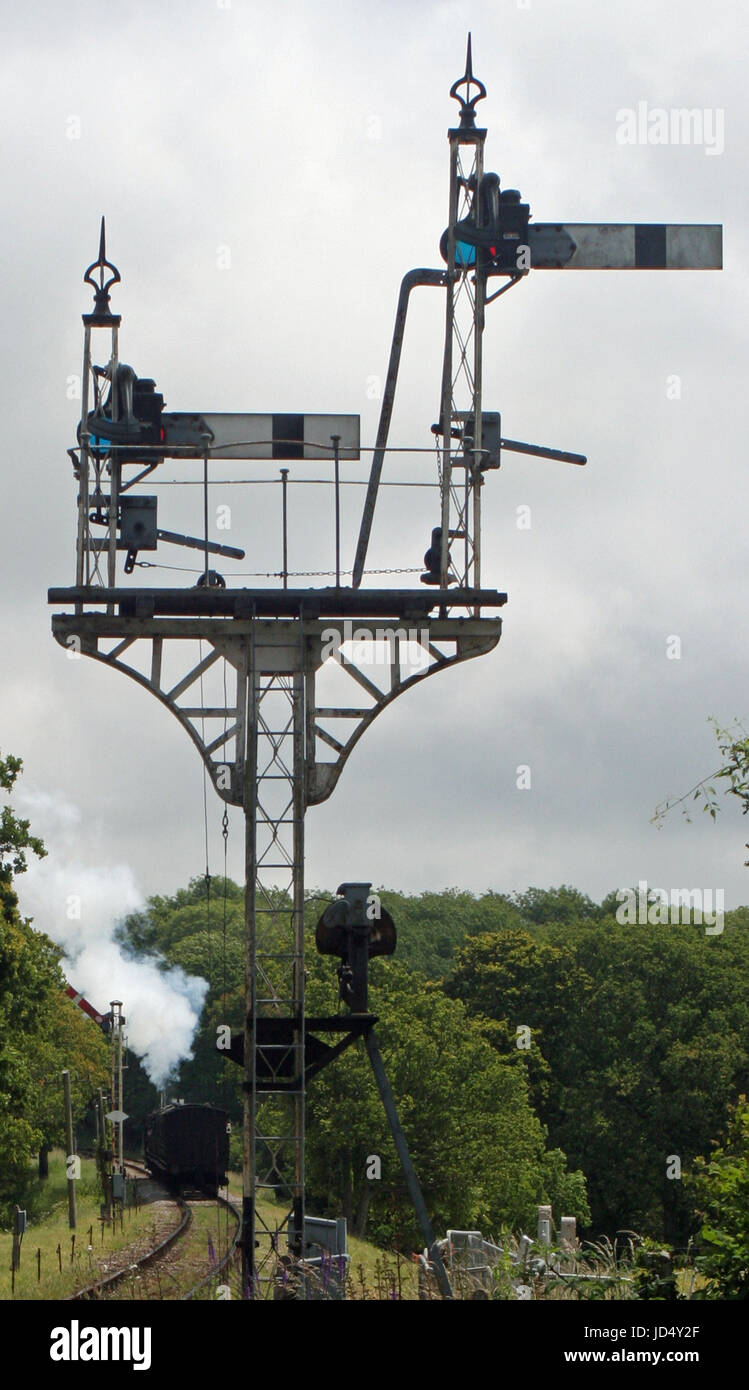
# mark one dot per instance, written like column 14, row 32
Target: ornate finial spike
column 102, row 314
column 468, row 102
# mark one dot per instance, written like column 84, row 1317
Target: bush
column 721, row 1188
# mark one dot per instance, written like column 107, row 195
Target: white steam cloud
column 79, row 906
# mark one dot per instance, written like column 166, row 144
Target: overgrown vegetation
column 720, row 1186
column 41, row 1032
column 539, row 1049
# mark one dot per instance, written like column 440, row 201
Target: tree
column 40, row 1030
column 15, row 834
column 564, row 904
column 734, row 748
column 67, row 1039
column 478, row 1148
column 720, row 1186
column 28, row 973
column 638, row 1045
column 166, row 920
column 432, row 926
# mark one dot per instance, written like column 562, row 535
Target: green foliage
column 720, row 1186
column 563, row 904
column 68, row 1039
column 200, row 929
column 29, row 979
column 566, row 1192
column 141, row 1097
column 643, row 1032
column 476, row 1144
column 478, row 1147
column 431, row 926
column 654, row 1273
column 41, row 1031
column 734, row 749
column 167, row 920
column 638, row 1044
column 15, row 834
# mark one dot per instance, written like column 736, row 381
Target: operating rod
column 540, row 451
column 409, row 1172
column 193, row 543
column 408, row 283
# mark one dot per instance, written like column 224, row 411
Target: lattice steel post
column 462, row 363
column 91, row 467
column 274, row 805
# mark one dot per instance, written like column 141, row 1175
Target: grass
column 63, row 1265
column 598, row 1272
column 185, row 1263
column 371, row 1269
column 373, row 1273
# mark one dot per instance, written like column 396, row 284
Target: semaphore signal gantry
column 247, row 671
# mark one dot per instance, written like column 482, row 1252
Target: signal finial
column 102, row 314
column 467, row 102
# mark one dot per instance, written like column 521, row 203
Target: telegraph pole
column 70, row 1155
column 103, row 1159
column 117, row 1114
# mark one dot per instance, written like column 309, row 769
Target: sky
column 268, row 174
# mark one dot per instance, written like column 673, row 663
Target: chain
column 275, row 574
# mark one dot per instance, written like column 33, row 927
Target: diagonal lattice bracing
column 274, row 809
column 460, row 478
column 254, row 695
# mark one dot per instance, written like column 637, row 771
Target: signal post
column 272, row 742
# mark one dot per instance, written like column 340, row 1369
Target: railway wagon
column 188, row 1145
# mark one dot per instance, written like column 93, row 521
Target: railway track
column 226, row 1260
column 136, row 1270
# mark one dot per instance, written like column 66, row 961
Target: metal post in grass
column 103, row 1158
column 19, row 1227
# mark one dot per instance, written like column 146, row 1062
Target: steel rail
column 94, row 1290
column 222, row 1263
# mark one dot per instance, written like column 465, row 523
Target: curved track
column 227, row 1258
column 102, row 1286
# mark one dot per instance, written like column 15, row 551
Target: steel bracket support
column 138, row 648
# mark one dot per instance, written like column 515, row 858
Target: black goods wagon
column 188, row 1145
